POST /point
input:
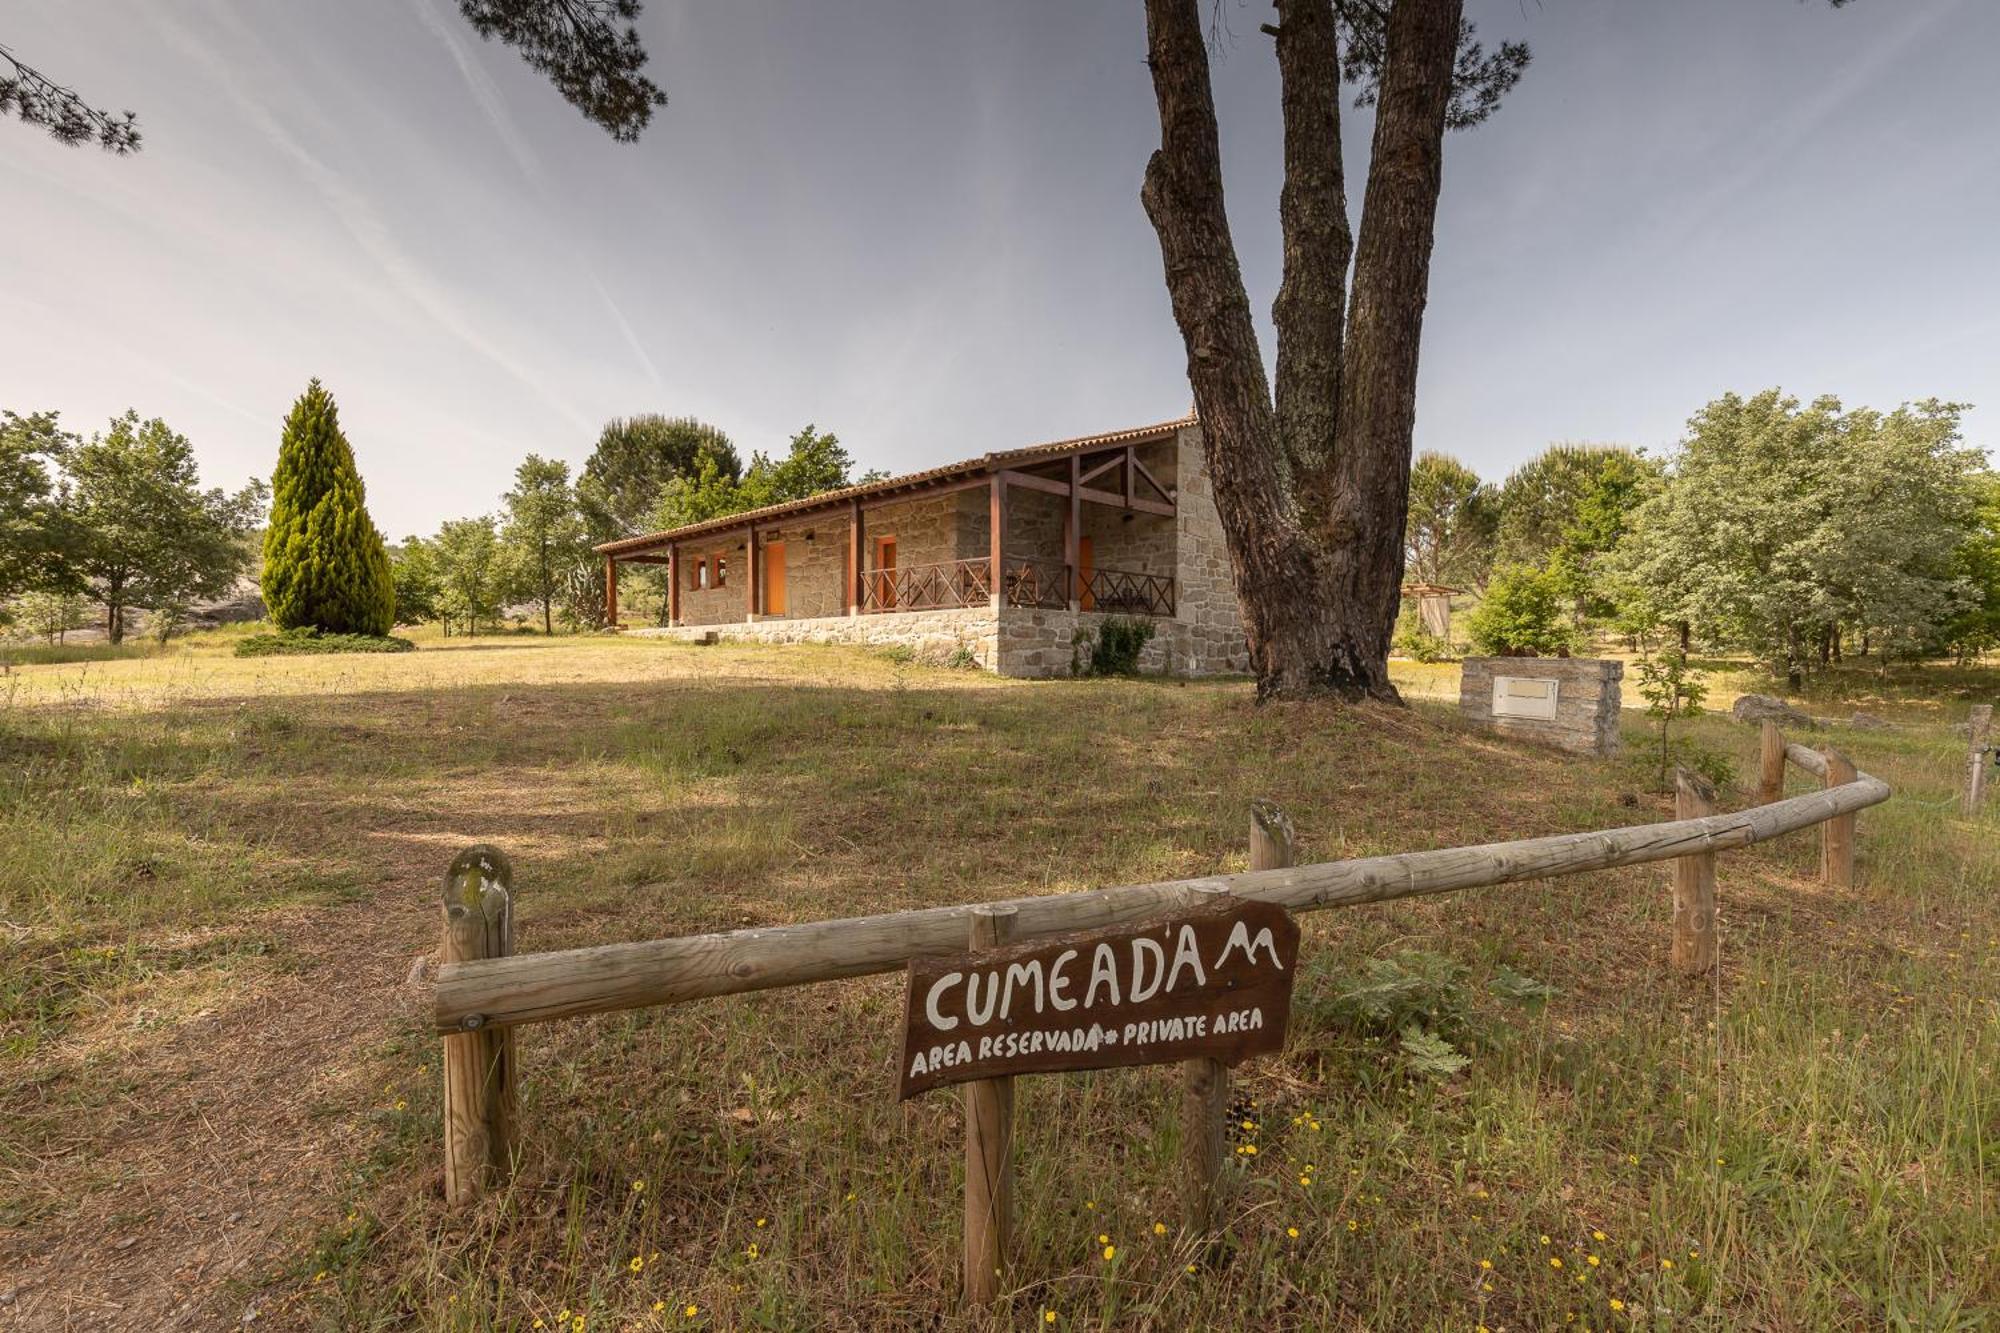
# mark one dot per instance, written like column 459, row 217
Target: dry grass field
column 214, row 874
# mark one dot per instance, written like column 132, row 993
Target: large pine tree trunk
column 1312, row 492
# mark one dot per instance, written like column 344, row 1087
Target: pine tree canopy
column 325, row 565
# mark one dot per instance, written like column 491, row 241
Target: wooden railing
column 1027, row 580
column 947, row 583
column 1125, row 593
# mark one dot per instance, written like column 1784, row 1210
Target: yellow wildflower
column 762, row 1221
column 1486, row 1264
column 1103, row 1239
column 1555, row 1263
column 1666, row 1263
column 1110, row 1251
column 1159, row 1228
column 1590, row 1259
column 692, row 1311
column 659, row 1306
column 1597, row 1235
column 1048, row 1316
column 638, row 1187
column 1617, row 1304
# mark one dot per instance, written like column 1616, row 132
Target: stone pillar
column 1571, row 702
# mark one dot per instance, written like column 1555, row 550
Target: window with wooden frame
column 722, row 571
column 698, row 573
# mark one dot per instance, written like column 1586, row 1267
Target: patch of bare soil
column 221, row 1143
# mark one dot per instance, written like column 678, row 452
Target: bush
column 325, row 565
column 1113, row 650
column 1412, row 1002
column 1521, row 615
column 295, row 642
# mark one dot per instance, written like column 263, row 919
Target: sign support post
column 989, row 1149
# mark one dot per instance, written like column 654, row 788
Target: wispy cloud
column 364, row 224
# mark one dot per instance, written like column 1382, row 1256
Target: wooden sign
column 1212, row 983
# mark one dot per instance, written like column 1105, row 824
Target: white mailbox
column 1524, row 696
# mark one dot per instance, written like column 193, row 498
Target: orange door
column 1084, row 566
column 885, row 564
column 774, row 579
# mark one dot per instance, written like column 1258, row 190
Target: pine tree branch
column 39, row 100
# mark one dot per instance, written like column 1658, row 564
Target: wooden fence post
column 1771, row 755
column 1978, row 730
column 1836, row 845
column 1205, row 1082
column 1694, row 878
column 989, row 1149
column 480, row 1107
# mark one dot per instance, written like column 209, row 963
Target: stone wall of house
column 1587, row 700
column 935, row 636
column 1205, row 592
column 927, row 530
column 714, row 605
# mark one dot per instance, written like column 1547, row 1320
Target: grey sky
column 917, row 225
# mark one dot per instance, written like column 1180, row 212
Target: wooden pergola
column 1098, row 469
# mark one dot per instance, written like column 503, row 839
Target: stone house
column 1009, row 560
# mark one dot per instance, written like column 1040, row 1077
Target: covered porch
column 1089, row 527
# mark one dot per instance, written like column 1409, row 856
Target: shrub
column 1416, row 642
column 1414, row 1003
column 325, row 565
column 1113, row 650
column 1671, row 690
column 291, row 642
column 1521, row 615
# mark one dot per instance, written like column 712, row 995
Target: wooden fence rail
column 533, row 988
column 478, row 991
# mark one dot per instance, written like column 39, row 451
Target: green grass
column 1805, row 1136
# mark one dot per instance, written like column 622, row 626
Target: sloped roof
column 911, row 481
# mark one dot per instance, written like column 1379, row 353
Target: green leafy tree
column 543, row 534
column 51, row 614
column 1672, row 690
column 815, row 463
column 1521, row 614
column 29, row 531
column 471, row 572
column 139, row 531
column 1449, row 534
column 1975, row 629
column 325, row 565
column 419, row 589
column 1780, row 523
column 636, row 458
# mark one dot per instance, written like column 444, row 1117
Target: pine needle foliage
column 325, row 565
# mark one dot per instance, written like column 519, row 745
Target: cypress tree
column 325, row 565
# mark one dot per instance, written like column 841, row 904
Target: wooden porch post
column 610, row 592
column 997, row 521
column 673, row 583
column 750, row 575
column 1073, row 534
column 854, row 558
